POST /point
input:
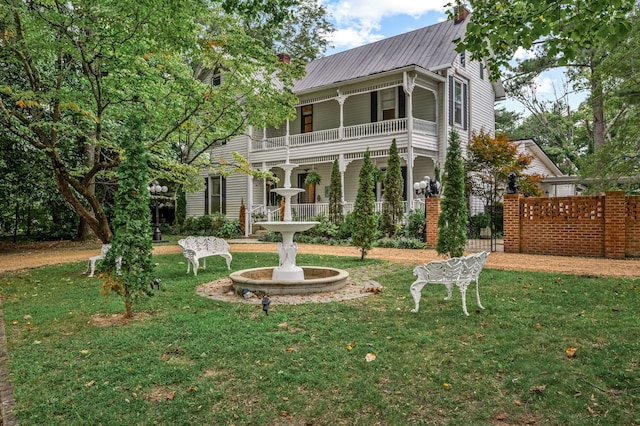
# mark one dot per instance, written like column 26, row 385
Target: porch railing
column 386, row 127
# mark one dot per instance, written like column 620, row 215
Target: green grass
column 195, row 361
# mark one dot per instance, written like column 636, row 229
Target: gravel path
column 61, row 252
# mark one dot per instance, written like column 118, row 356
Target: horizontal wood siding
column 326, row 115
column 359, row 109
column 424, row 104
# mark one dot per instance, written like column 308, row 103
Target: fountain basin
column 317, row 279
column 292, row 227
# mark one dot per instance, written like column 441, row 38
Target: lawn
column 188, row 360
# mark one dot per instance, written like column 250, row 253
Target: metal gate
column 484, row 225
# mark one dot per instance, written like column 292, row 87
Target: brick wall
column 433, row 211
column 593, row 226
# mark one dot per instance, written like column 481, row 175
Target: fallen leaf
column 370, row 357
column 91, row 383
column 537, row 389
column 349, row 347
column 446, row 385
column 283, row 324
column 538, row 325
column 518, row 403
column 290, row 349
column 285, row 398
column 170, row 395
column 27, row 317
column 571, row 352
column 479, row 335
column 84, row 351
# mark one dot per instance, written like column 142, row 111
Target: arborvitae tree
column 452, row 222
column 364, row 220
column 393, row 203
column 335, row 195
column 132, row 224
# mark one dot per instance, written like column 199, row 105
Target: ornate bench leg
column 92, row 266
column 463, row 292
column 196, row 265
column 478, row 296
column 416, row 289
column 449, row 290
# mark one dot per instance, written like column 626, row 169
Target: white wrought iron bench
column 91, row 264
column 196, row 248
column 460, row 271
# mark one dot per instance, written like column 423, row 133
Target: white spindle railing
column 358, row 131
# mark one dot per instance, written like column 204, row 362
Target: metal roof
column 430, row 47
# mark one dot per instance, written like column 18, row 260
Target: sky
column 359, row 22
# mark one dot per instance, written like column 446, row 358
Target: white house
column 413, row 88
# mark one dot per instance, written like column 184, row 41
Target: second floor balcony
column 425, row 135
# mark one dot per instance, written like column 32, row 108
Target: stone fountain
column 288, row 278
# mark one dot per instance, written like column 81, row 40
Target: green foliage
column 346, row 226
column 335, row 194
column 325, row 228
column 130, row 53
column 452, row 221
column 181, row 208
column 364, row 220
column 230, row 229
column 312, row 178
column 132, row 231
column 497, row 29
column 216, row 224
column 392, row 206
column 416, row 222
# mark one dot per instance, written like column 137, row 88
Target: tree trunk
column 597, row 104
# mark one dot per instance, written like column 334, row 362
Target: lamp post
column 155, row 189
column 424, row 188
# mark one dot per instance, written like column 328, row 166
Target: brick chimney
column 460, row 13
column 284, row 57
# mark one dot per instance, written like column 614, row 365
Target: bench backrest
column 209, row 244
column 472, row 265
column 104, row 249
column 440, row 271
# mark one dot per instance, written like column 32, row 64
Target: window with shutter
column 307, row 119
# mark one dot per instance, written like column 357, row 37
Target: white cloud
column 522, row 54
column 358, row 22
column 544, row 85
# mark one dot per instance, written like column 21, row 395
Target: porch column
column 343, row 168
column 408, row 84
column 264, row 137
column 247, row 219
column 286, row 140
column 341, row 99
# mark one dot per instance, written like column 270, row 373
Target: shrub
column 230, row 229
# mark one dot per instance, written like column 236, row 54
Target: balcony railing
column 359, row 131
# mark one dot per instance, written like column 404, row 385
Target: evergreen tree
column 393, row 205
column 335, row 195
column 452, row 222
column 132, row 224
column 364, row 219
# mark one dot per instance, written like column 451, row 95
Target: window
column 481, row 72
column 388, row 103
column 463, row 60
column 458, row 103
column 215, row 195
column 307, row 119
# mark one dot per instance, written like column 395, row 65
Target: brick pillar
column 433, row 211
column 614, row 224
column 511, row 224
